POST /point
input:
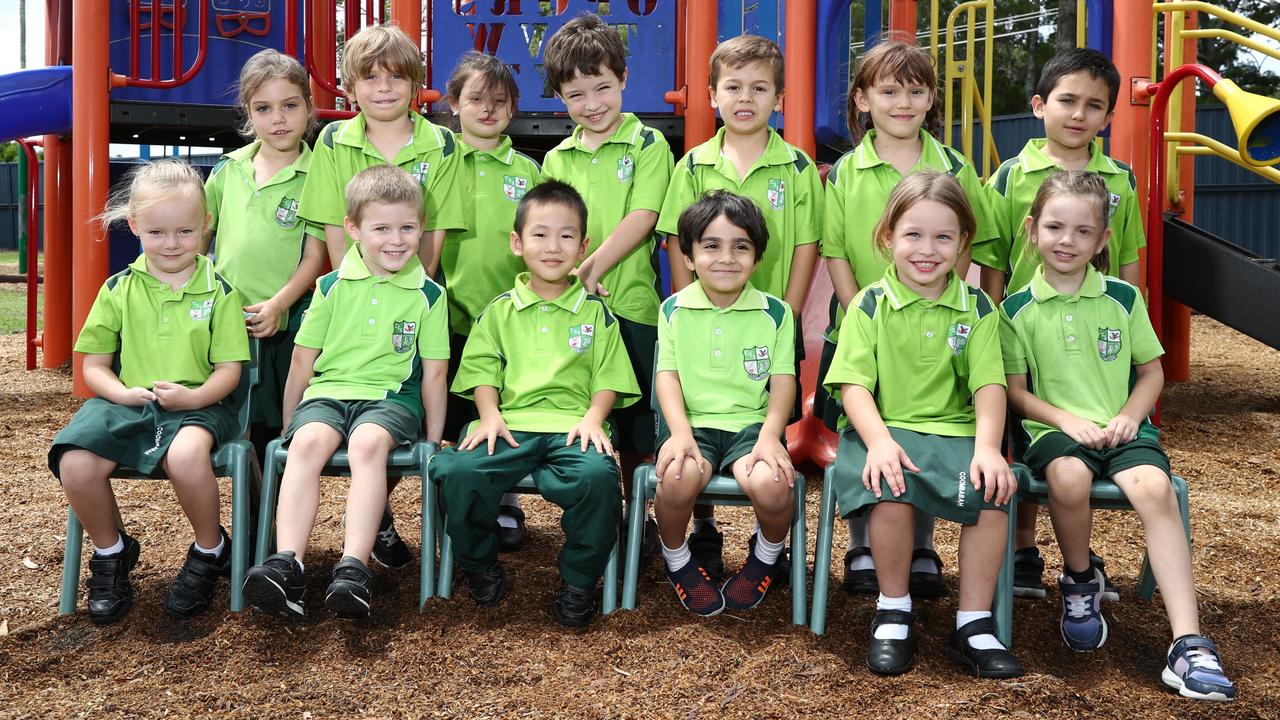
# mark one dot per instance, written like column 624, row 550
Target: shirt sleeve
column 433, row 335
column 855, row 359
column 229, row 339
column 784, row 348
column 481, row 362
column 681, row 193
column 1127, row 227
column 809, row 217
column 666, row 344
column 213, row 192
column 100, row 334
column 611, row 368
column 1146, row 346
column 985, row 365
column 322, row 201
column 994, row 251
column 980, row 201
column 315, row 322
column 553, row 167
column 653, row 174
column 1012, row 350
column 832, row 243
column 445, row 207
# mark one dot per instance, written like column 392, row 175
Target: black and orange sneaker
column 747, row 588
column 696, row 591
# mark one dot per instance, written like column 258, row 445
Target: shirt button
column 165, row 319
column 544, row 308
column 1069, row 318
column 481, row 173
column 719, row 331
column 717, row 353
column 373, row 301
column 372, row 321
column 928, row 333
column 1071, row 338
column 544, row 331
column 595, row 161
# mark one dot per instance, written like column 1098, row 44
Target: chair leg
column 822, row 555
column 635, row 534
column 71, row 565
column 444, row 587
column 427, row 548
column 1147, row 580
column 609, row 601
column 239, row 525
column 267, row 503
column 799, row 558
column 1002, row 601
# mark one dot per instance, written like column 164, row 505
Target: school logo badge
column 755, row 360
column 514, row 187
column 420, row 171
column 287, row 213
column 580, row 337
column 777, row 193
column 1113, row 204
column 402, row 335
column 201, row 309
column 626, row 168
column 1109, row 344
column 958, row 337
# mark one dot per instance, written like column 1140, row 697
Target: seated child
column 368, row 364
column 545, row 365
column 175, row 332
column 726, row 384
column 1086, row 417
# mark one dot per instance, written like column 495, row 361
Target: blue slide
column 35, row 102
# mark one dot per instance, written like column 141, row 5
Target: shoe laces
column 1079, row 606
column 389, row 536
column 350, row 573
column 1203, row 659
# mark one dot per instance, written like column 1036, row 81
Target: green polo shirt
column 1014, row 187
column 923, row 360
column 725, row 356
column 373, row 333
column 259, row 234
column 783, row 182
column 477, row 262
column 1080, row 349
column 546, row 357
column 163, row 334
column 343, row 149
column 628, row 172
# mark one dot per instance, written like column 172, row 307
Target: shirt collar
column 932, row 154
column 1093, row 285
column 410, row 277
column 1034, row 159
column 244, row 158
column 505, row 153
column 426, row 135
column 955, row 296
column 203, row 280
column 571, row 299
column 694, row 296
column 776, row 151
column 628, row 133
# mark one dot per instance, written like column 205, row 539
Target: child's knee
column 79, row 469
column 189, row 451
column 767, row 494
column 681, row 484
column 1148, row 488
column 1069, row 479
column 369, row 443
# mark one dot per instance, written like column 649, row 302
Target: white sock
column 704, row 524
column 677, row 558
column 215, row 551
column 923, row 533
column 110, row 550
column 507, row 520
column 893, row 631
column 986, row 641
column 768, row 552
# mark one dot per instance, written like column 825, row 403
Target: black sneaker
column 276, row 586
column 110, row 594
column 388, row 549
column 192, row 591
column 1109, row 592
column 748, row 586
column 707, row 547
column 859, row 582
column 348, row 595
column 511, row 539
column 1028, row 573
column 783, row 576
column 489, row 587
column 574, row 606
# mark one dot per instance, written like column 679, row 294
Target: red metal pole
column 321, row 34
column 55, row 341
column 33, row 244
column 1132, row 57
column 700, row 41
column 291, row 28
column 902, row 20
column 1177, row 317
column 797, row 104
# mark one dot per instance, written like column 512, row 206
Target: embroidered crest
column 580, row 337
column 201, row 309
column 626, row 168
column 420, row 171
column 402, row 335
column 755, row 360
column 287, row 213
column 958, row 337
column 1109, row 344
column 1113, row 204
column 777, row 193
column 514, row 187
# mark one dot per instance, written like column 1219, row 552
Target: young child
column 1086, row 417
column 382, row 72
column 1075, row 97
column 544, row 364
column 477, row 263
column 621, row 167
column 369, row 370
column 268, row 253
column 749, row 158
column 731, row 345
column 894, row 117
column 176, row 332
column 919, row 371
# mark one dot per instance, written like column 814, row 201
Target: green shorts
column 346, row 415
column 637, row 424
column 826, row 407
column 942, row 488
column 720, row 448
column 275, row 355
column 136, row 437
column 1142, row 450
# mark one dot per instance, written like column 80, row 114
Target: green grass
column 13, row 308
column 8, row 257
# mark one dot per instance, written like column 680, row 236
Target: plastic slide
column 35, row 102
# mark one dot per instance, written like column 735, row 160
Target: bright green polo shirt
column 1014, row 187
column 725, row 357
column 546, row 357
column 477, row 262
column 923, row 360
column 1080, row 349
column 259, row 234
column 783, row 182
column 343, row 149
column 162, row 334
column 628, row 172
column 373, row 333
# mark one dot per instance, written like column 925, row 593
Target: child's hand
column 886, row 460
column 989, row 472
column 770, row 451
column 676, row 450
column 590, row 432
column 590, row 278
column 1085, row 432
column 173, row 396
column 265, row 321
column 137, row 397
column 1120, row 430
column 488, row 430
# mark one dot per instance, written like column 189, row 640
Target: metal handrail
column 1211, row 9
column 134, row 78
column 963, row 71
column 1206, row 145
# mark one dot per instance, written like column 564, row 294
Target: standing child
column 477, row 263
column 544, row 365
column 726, row 383
column 270, row 255
column 749, row 158
column 895, row 88
column 919, row 371
column 174, row 330
column 1086, row 417
column 368, row 371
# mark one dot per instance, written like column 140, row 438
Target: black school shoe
column 574, row 605
column 349, row 595
column 276, row 586
column 1028, row 573
column 489, row 587
column 927, row 585
column 859, row 582
column 110, row 594
column 892, row 657
column 511, row 539
column 192, row 591
column 388, row 549
column 997, row 663
column 707, row 547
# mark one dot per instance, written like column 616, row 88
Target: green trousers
column 584, row 484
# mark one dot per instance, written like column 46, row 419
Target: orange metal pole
column 902, row 20
column 1177, row 317
column 1131, row 123
column 797, row 104
column 699, row 118
column 55, row 348
column 323, row 25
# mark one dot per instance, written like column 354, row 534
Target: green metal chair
column 401, row 462
column 235, row 459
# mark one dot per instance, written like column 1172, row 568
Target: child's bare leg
column 88, row 489
column 1069, row 483
column 673, row 502
column 772, row 499
column 1025, row 533
column 1151, row 494
column 309, row 449
column 187, row 465
column 981, row 552
column 890, row 528
column 367, row 451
